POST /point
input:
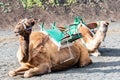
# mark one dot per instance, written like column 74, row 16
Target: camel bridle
column 25, row 26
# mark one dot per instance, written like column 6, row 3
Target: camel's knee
column 42, row 69
column 33, row 72
column 84, row 58
column 84, row 63
column 28, row 74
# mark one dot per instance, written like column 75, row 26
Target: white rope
column 71, row 55
column 24, row 25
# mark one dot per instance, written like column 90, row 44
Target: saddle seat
column 70, row 33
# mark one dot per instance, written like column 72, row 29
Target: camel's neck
column 92, row 42
column 24, row 44
column 99, row 37
column 87, row 35
column 96, row 40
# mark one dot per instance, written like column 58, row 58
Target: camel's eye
column 18, row 28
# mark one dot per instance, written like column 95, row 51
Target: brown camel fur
column 38, row 54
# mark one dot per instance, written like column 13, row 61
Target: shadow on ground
column 110, row 52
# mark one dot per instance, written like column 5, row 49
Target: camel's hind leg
column 84, row 56
column 17, row 71
column 84, row 59
column 41, row 69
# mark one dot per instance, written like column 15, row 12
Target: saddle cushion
column 68, row 35
column 55, row 34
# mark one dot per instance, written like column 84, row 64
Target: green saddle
column 70, row 34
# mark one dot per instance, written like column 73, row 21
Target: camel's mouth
column 16, row 33
column 104, row 28
column 106, row 25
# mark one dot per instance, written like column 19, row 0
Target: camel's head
column 102, row 26
column 95, row 25
column 24, row 26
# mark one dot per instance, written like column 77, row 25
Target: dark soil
column 63, row 15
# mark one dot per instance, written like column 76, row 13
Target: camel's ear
column 92, row 25
column 32, row 22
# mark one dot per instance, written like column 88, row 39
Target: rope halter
column 24, row 25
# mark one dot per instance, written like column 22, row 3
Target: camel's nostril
column 107, row 23
column 15, row 31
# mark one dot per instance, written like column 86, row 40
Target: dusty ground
column 105, row 67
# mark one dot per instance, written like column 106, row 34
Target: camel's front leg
column 41, row 69
column 16, row 71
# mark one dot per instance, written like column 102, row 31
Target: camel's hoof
column 12, row 73
column 27, row 74
column 96, row 54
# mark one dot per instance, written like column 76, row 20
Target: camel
column 93, row 34
column 92, row 40
column 38, row 53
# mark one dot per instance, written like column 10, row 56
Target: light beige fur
column 92, row 42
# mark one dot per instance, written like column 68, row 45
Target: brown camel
column 38, row 53
column 93, row 34
column 92, row 41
